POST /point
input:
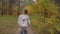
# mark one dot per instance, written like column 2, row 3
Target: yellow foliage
column 52, row 9
column 31, row 10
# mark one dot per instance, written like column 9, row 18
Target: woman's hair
column 25, row 11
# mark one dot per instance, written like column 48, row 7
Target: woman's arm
column 28, row 22
column 18, row 21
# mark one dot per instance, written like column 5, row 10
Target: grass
column 7, row 24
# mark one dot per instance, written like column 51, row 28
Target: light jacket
column 23, row 20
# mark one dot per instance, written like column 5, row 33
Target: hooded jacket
column 23, row 20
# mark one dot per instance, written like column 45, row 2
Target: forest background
column 44, row 14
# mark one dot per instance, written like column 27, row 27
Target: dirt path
column 29, row 31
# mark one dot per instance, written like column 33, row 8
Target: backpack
column 24, row 22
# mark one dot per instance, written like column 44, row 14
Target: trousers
column 23, row 30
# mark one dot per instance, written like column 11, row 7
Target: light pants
column 23, row 30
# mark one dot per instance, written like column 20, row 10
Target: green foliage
column 41, row 24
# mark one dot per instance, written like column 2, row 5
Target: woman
column 23, row 22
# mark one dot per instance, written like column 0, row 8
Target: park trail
column 30, row 31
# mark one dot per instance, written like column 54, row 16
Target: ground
column 29, row 32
